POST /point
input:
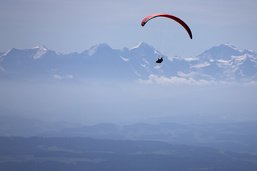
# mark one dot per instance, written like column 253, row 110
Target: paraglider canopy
column 182, row 23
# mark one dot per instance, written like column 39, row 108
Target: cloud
column 175, row 80
column 195, row 76
column 63, row 77
column 185, row 80
column 201, row 65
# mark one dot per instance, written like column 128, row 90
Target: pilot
column 159, row 60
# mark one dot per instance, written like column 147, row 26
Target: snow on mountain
column 40, row 51
column 219, row 63
column 223, row 51
column 103, row 48
column 23, row 63
column 226, row 62
column 142, row 59
column 144, row 50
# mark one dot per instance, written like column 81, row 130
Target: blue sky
column 75, row 25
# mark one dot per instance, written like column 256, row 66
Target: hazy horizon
column 74, row 103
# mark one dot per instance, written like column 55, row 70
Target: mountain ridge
column 223, row 62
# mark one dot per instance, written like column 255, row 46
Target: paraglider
column 182, row 23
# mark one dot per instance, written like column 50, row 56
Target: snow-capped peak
column 41, row 47
column 7, row 52
column 222, row 51
column 40, row 51
column 228, row 45
column 95, row 48
column 142, row 45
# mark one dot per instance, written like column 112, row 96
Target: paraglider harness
column 159, row 60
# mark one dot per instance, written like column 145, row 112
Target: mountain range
column 219, row 63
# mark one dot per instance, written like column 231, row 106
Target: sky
column 76, row 25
